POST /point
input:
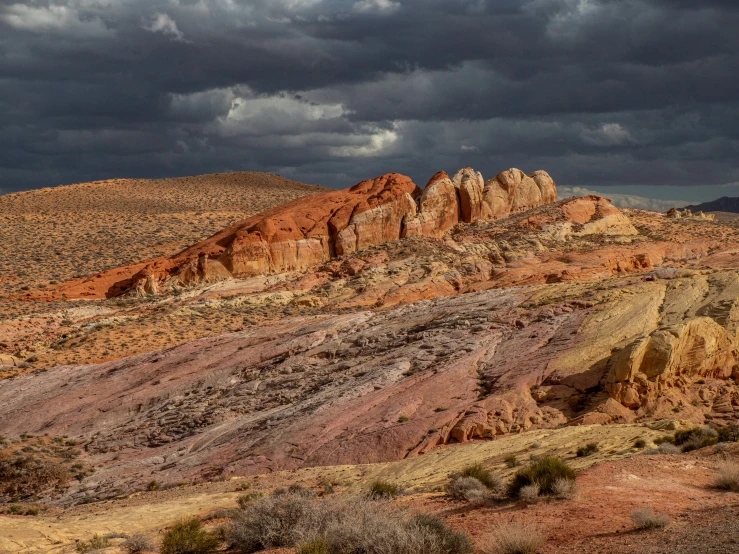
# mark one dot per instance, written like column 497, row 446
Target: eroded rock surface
column 380, row 385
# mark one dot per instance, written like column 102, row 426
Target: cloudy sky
column 622, row 96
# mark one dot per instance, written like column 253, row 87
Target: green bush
column 640, row 443
column 587, row 450
column 485, row 476
column 382, row 490
column 544, row 472
column 189, row 537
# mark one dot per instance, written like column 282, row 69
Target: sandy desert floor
column 611, row 483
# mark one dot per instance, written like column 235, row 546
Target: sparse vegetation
column 42, row 464
column 697, row 437
column 668, row 448
column 728, row 477
column 468, row 488
column 730, row 433
column 640, row 443
column 514, row 538
column 564, row 489
column 138, row 543
column 483, row 475
column 317, row 545
column 646, row 518
column 243, row 500
column 529, row 493
column 95, row 543
column 511, row 461
column 335, row 525
column 544, row 472
column 587, row 450
column 189, row 537
column 383, row 490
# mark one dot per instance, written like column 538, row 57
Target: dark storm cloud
column 598, row 92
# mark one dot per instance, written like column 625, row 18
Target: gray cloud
column 601, row 93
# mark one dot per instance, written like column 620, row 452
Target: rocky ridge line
column 318, row 228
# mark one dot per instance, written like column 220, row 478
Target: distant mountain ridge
column 723, row 204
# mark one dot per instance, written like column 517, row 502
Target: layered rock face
column 670, row 357
column 315, row 229
column 367, row 386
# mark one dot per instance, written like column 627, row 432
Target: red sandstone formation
column 315, row 229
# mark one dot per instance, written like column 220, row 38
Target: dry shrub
column 695, row 438
column 468, row 488
column 275, row 521
column 728, row 477
column 587, row 450
column 189, row 537
column 514, row 538
column 135, row 544
column 645, row 518
column 333, row 525
column 564, row 489
column 730, row 433
column 94, row 544
column 383, row 490
column 318, row 545
column 668, row 448
column 529, row 493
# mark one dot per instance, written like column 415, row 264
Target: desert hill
column 55, row 234
column 723, row 204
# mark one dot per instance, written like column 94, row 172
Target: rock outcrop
column 471, row 186
column 513, row 191
column 674, row 213
column 317, row 228
column 671, row 357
